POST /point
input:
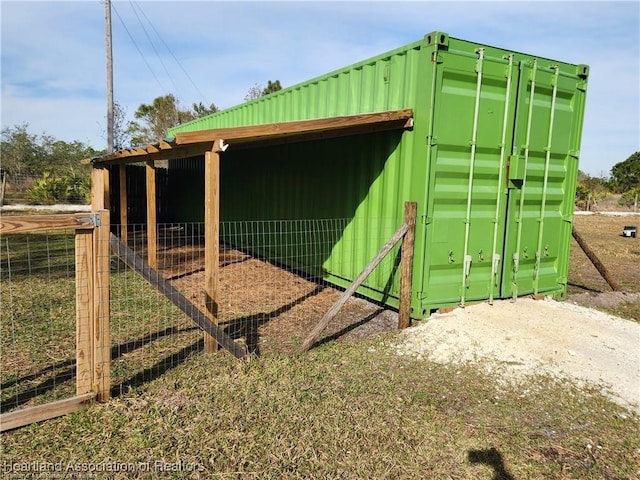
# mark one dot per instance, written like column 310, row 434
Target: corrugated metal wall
column 387, row 82
column 491, row 161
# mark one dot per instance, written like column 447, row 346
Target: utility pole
column 107, row 5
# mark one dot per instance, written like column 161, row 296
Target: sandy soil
column 528, row 337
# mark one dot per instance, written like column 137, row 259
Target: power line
column 138, row 48
column 172, row 54
column 133, row 6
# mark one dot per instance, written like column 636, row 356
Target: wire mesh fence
column 149, row 334
column 37, row 318
column 276, row 280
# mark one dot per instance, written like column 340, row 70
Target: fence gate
column 51, row 265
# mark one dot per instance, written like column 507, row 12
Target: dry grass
column 350, row 410
column 620, row 255
column 344, row 410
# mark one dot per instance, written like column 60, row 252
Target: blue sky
column 53, row 54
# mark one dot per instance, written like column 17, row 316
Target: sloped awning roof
column 192, row 144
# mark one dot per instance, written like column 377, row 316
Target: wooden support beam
column 155, row 154
column 3, row 187
column 591, row 255
column 333, row 311
column 194, row 144
column 26, row 416
column 101, row 309
column 152, row 225
column 99, row 188
column 211, row 239
column 406, row 265
column 39, row 223
column 122, row 171
column 398, row 118
column 84, row 267
column 166, row 288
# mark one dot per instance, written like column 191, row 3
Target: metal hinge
column 94, row 219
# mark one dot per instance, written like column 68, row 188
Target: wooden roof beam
column 193, row 144
column 272, row 130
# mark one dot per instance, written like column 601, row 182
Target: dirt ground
column 272, row 310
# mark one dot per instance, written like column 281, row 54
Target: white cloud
column 53, row 53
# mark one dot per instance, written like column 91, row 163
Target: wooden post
column 591, row 255
column 100, row 339
column 99, row 188
column 211, row 240
column 406, row 265
column 101, row 308
column 123, row 203
column 335, row 308
column 84, row 311
column 93, row 337
column 152, row 226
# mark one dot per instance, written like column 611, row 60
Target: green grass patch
column 37, row 318
column 343, row 411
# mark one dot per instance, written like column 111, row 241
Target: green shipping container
column 491, row 161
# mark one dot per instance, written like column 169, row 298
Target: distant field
column 621, row 255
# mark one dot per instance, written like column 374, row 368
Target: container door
column 541, row 178
column 473, row 127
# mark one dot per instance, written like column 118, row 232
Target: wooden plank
column 319, row 135
column 84, row 310
column 333, row 311
column 37, row 223
column 27, row 416
column 211, row 240
column 168, row 153
column 591, row 255
column 152, row 226
column 406, row 265
column 166, row 288
column 99, row 190
column 256, row 132
column 124, row 231
column 193, row 144
column 101, row 310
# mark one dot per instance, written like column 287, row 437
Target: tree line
column 63, row 178
column 624, row 179
column 55, row 164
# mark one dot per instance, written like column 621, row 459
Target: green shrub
column 49, row 190
column 629, row 198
